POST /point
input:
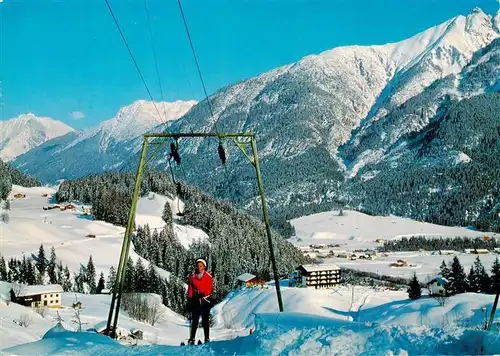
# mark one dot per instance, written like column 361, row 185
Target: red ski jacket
column 200, row 287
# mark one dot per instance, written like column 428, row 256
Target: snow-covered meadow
column 357, row 231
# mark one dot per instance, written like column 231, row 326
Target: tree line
column 237, row 241
column 458, row 243
column 458, row 281
column 10, row 175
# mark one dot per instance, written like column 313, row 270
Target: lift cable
column 197, row 65
column 155, row 60
column 132, row 56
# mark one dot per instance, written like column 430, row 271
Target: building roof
column 27, row 291
column 321, row 267
column 439, row 279
column 245, row 277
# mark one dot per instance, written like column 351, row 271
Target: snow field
column 31, row 226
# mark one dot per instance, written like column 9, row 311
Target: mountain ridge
column 26, row 131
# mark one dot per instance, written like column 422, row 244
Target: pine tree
column 445, row 270
column 457, row 280
column 41, row 263
column 30, row 273
column 495, row 276
column 3, row 269
column 483, row 280
column 67, row 285
column 51, row 267
column 167, row 214
column 80, row 278
column 91, row 276
column 153, row 280
column 110, row 282
column 414, row 290
column 13, row 274
column 140, row 278
column 128, row 283
column 60, row 273
column 23, row 271
column 474, row 286
column 100, row 284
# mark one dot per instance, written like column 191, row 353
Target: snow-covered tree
column 110, row 282
column 3, row 269
column 90, row 276
column 67, row 285
column 482, row 279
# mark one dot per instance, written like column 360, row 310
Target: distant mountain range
column 27, row 131
column 333, row 124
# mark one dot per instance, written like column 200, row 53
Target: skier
column 199, row 299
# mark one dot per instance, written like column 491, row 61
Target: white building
column 316, row 276
column 37, row 296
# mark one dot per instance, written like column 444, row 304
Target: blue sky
column 62, row 57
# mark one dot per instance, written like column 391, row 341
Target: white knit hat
column 202, row 261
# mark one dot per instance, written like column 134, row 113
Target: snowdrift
column 290, row 334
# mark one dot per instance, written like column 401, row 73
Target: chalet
column 481, row 251
column 90, row 236
column 380, row 241
column 317, row 276
column 20, row 196
column 245, row 280
column 37, row 296
column 68, row 207
column 447, row 252
column 399, row 263
column 437, row 286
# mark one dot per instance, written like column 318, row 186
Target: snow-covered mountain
column 27, row 131
column 104, row 147
column 318, row 121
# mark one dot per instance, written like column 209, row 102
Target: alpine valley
column 409, row 128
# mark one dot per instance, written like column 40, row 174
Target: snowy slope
column 27, row 131
column 30, row 226
column 414, row 327
column 356, row 230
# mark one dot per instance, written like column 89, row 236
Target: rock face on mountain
column 330, row 122
column 27, row 131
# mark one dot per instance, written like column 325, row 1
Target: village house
column 399, row 263
column 316, row 276
column 37, row 296
column 447, row 252
column 437, row 286
column 245, row 280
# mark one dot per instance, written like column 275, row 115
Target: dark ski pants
column 204, row 312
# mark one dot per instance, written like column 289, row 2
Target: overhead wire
column 155, row 60
column 197, row 65
column 132, row 56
